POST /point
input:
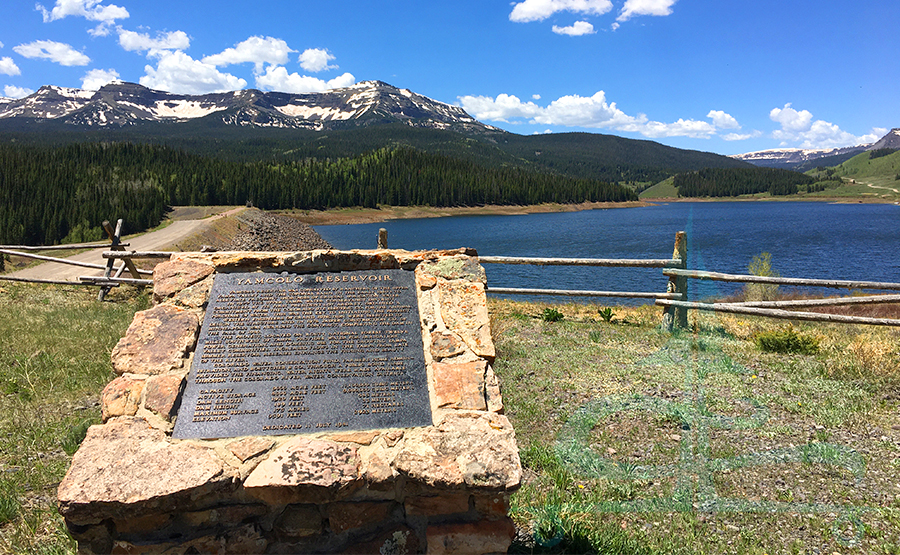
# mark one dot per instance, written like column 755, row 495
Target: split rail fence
column 112, row 276
column 675, row 300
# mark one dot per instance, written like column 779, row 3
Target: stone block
column 447, row 503
column 467, row 449
column 470, row 538
column 121, row 397
column 492, row 391
column 299, row 521
column 305, row 470
column 401, row 540
column 250, row 447
column 460, row 385
column 446, row 345
column 117, row 473
column 156, row 341
column 195, row 296
column 492, row 507
column 172, row 276
column 347, row 516
column 464, row 310
column 162, row 394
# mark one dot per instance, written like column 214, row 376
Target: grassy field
column 55, row 344
column 633, row 440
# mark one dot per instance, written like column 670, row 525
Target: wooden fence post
column 382, row 238
column 674, row 316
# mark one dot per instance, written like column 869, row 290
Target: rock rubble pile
column 274, row 232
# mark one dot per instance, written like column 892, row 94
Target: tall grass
column 55, row 344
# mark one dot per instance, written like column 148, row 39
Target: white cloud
column 88, row 9
column 11, row 91
column 138, row 42
column 722, row 120
column 645, row 7
column 536, row 97
column 576, row 30
column 58, row 52
column 179, row 73
column 8, row 66
column 790, row 119
column 316, row 59
column 798, row 127
column 258, row 50
column 591, row 112
column 742, row 136
column 539, row 10
column 277, row 78
column 96, row 78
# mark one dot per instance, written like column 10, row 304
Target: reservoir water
column 805, row 239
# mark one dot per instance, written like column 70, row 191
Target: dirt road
column 161, row 240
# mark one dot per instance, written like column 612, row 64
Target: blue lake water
column 805, row 239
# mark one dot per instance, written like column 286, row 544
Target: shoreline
column 347, row 216
column 356, row 215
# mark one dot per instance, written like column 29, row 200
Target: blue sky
column 725, row 76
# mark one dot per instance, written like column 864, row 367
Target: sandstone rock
column 347, row 516
column 299, row 521
column 250, row 447
column 460, row 385
column 446, row 345
column 470, row 539
column 492, row 507
column 362, row 438
column 445, row 504
column 492, row 391
column 121, row 397
column 162, row 394
column 467, row 449
column 305, row 470
column 455, row 268
column 464, row 310
column 172, row 276
column 376, row 470
column 195, row 296
column 118, row 471
column 156, row 341
column 400, row 541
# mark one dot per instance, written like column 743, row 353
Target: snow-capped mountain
column 794, row 157
column 123, row 104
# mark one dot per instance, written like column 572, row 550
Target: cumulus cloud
column 742, row 136
column 257, row 50
column 58, row 52
column 576, row 30
column 8, row 66
column 539, row 10
column 645, row 7
column 91, row 10
column 11, row 91
column 798, row 127
column 277, row 78
column 722, row 120
column 591, row 112
column 179, row 73
column 133, row 41
column 96, row 78
column 316, row 59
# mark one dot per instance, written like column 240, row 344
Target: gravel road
column 266, row 232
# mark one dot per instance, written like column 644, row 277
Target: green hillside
column 872, row 174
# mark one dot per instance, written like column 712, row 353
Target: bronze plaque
column 303, row 353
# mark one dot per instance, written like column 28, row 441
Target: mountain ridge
column 121, row 104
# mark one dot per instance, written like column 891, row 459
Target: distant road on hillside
column 161, row 240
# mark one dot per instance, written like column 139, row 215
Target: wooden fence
column 675, row 303
column 112, row 276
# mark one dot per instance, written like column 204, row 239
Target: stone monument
column 318, row 401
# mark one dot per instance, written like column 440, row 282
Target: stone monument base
column 442, row 488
